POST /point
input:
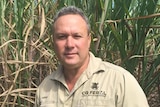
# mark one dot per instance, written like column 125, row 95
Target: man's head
column 71, row 37
column 72, row 10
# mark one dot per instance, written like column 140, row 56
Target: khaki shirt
column 102, row 84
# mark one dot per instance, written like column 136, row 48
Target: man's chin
column 70, row 64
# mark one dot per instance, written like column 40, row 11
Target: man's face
column 71, row 40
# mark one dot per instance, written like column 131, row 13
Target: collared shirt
column 102, row 84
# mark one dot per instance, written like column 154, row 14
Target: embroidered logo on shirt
column 94, row 86
column 95, row 91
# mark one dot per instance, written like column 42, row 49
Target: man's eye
column 77, row 36
column 61, row 37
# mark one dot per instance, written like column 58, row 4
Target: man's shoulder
column 48, row 81
column 112, row 67
column 98, row 64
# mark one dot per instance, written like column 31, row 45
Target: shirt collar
column 93, row 67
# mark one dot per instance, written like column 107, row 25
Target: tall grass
column 123, row 32
column 25, row 55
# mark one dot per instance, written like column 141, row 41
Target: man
column 82, row 80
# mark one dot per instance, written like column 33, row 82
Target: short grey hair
column 71, row 10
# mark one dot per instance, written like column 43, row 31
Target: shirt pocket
column 49, row 105
column 96, row 103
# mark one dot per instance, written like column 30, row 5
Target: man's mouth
column 69, row 54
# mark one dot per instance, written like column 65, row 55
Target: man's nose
column 70, row 42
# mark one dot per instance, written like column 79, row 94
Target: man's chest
column 91, row 93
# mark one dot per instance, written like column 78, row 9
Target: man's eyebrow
column 60, row 33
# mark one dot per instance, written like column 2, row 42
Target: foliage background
column 124, row 32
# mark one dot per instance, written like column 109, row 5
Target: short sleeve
column 129, row 92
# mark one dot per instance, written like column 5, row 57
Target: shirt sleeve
column 129, row 93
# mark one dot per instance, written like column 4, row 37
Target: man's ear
column 89, row 39
column 52, row 41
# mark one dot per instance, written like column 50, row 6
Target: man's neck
column 73, row 74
